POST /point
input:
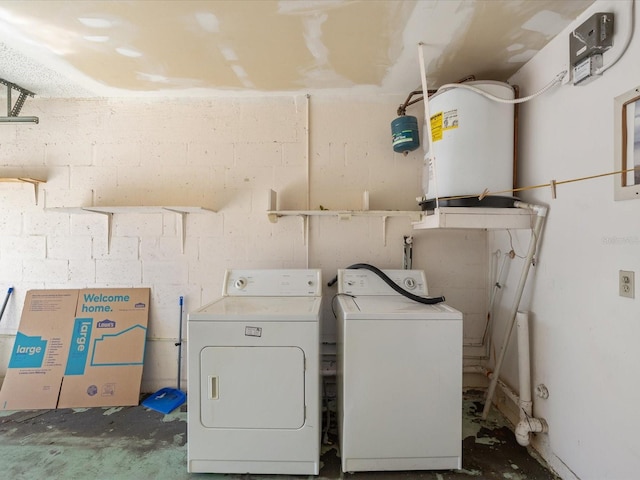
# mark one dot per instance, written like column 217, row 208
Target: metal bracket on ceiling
column 14, row 111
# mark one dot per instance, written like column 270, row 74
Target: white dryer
column 399, row 375
column 253, row 369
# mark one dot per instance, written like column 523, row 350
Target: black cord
column 392, row 284
column 332, row 302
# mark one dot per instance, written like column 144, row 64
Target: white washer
column 254, row 383
column 399, row 375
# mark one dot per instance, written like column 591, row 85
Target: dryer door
column 252, row 387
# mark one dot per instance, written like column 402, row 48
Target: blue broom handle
column 6, row 299
column 179, row 344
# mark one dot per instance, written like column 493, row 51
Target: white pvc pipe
column 527, row 424
column 431, row 162
column 307, row 128
column 506, row 389
column 524, row 363
column 308, row 153
column 541, row 213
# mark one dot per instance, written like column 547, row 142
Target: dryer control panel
column 273, row 283
column 366, row 282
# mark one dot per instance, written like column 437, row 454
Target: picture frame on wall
column 627, row 145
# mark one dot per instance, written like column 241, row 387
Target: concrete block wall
column 222, row 155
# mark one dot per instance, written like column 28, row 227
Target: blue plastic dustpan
column 165, row 400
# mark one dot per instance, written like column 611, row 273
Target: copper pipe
column 402, row 109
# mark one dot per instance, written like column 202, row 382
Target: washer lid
column 393, row 308
column 266, row 309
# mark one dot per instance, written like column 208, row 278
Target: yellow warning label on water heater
column 443, row 121
column 436, row 127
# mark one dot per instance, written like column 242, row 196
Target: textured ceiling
column 199, row 48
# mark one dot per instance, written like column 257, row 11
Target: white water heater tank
column 473, row 140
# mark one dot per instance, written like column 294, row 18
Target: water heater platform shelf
column 476, row 217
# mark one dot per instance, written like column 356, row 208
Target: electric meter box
column 593, row 37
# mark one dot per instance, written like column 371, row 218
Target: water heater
column 473, row 147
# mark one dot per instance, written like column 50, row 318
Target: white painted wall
column 584, row 336
column 222, row 154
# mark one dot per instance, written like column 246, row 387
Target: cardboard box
column 78, row 348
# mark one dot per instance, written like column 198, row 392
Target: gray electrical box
column 595, row 36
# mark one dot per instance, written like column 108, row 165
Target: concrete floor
column 137, row 443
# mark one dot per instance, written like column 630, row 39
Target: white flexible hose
column 557, row 79
column 622, row 51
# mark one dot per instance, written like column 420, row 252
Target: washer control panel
column 273, row 283
column 365, row 282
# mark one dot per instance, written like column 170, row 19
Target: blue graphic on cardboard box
column 79, row 348
column 28, row 352
column 102, row 351
column 104, row 347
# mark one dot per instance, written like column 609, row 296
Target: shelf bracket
column 33, row 181
column 13, row 112
column 109, row 216
column 384, row 230
column 181, row 226
column 272, row 204
column 305, row 229
column 35, row 184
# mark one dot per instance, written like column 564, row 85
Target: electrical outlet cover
column 627, row 283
